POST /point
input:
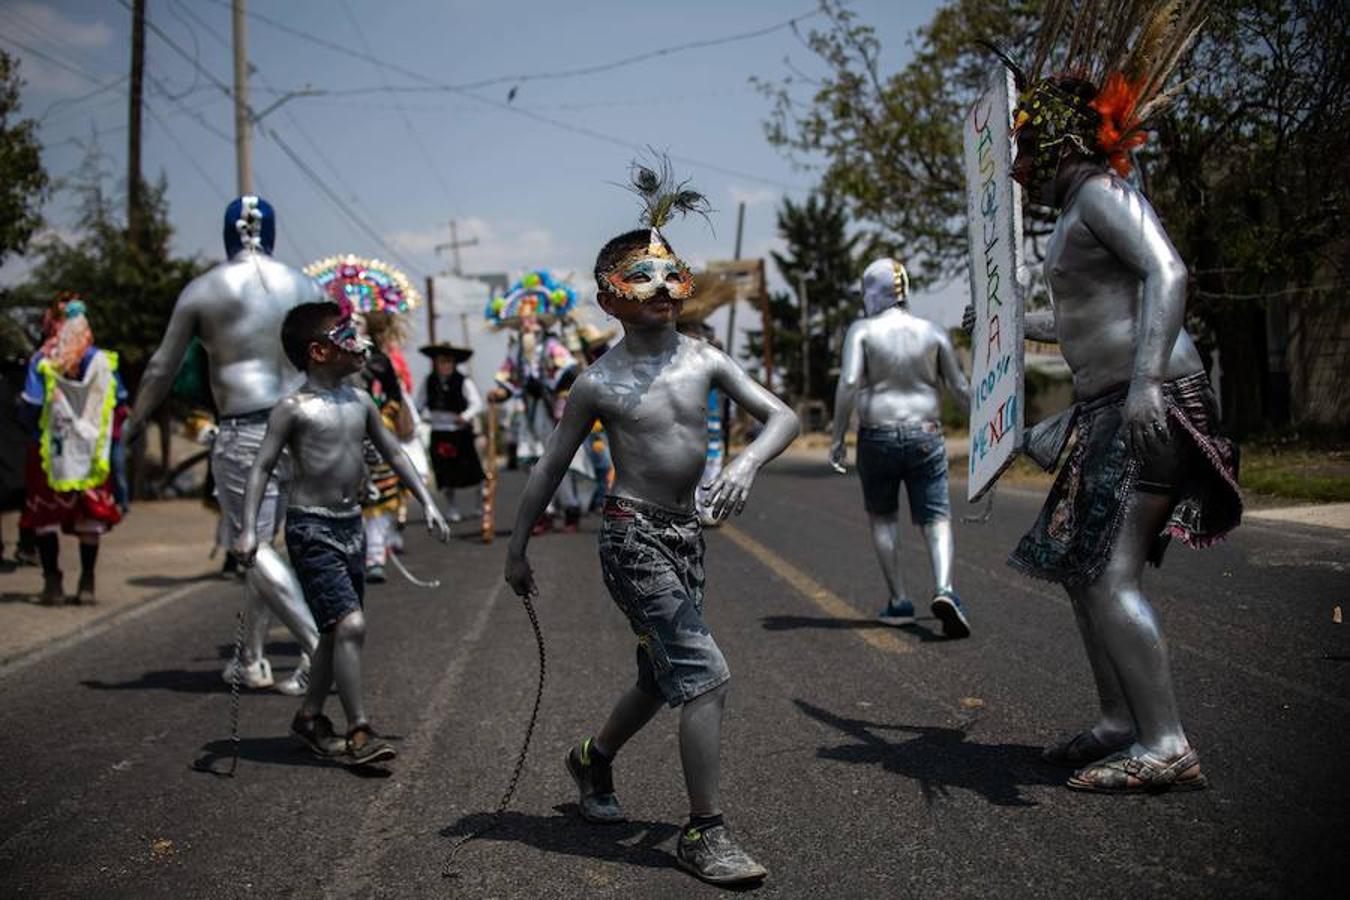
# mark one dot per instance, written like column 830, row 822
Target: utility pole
column 243, row 151
column 731, row 318
column 431, row 310
column 135, row 198
column 766, row 319
column 453, row 245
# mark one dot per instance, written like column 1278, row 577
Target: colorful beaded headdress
column 1111, row 61
column 536, row 295
column 364, row 285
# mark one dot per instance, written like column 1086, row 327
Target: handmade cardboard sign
column 994, row 210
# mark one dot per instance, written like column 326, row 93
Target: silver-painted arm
column 729, row 491
column 163, row 366
column 851, row 372
column 274, row 441
column 398, row 460
column 1126, row 224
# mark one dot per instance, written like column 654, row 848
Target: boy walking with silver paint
column 650, row 394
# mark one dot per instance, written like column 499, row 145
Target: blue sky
column 533, row 193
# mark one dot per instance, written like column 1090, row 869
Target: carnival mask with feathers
column 644, row 271
column 1112, row 60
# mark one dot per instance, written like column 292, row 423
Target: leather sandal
column 1081, row 749
column 365, row 747
column 1121, row 773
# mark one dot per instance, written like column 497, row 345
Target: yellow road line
column 825, row 599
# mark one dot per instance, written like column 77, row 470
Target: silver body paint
column 236, row 310
column 650, row 392
column 323, row 425
column 1118, row 289
column 893, row 368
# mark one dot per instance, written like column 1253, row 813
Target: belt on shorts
column 628, row 508
column 258, row 415
column 901, row 428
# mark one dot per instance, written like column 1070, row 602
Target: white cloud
column 53, row 33
column 54, row 25
column 753, row 196
column 502, row 247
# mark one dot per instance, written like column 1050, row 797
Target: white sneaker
column 255, row 675
column 454, row 515
column 298, row 682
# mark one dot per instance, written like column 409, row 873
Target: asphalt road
column 859, row 761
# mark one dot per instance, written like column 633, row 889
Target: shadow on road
column 830, row 623
column 198, row 681
column 164, row 581
column 278, row 751
column 939, row 758
column 631, row 843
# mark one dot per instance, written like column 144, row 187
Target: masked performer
column 450, row 402
column 236, row 310
column 1146, row 465
column 539, row 371
column 649, row 392
column 379, row 297
column 894, row 365
column 325, row 425
column 71, row 395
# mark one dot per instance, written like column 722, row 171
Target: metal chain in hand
column 204, row 764
column 499, row 812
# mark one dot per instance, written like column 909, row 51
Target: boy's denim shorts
column 652, row 562
column 328, row 553
column 912, row 454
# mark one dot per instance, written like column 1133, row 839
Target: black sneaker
column 595, row 785
column 947, row 607
column 318, row 735
column 713, row 855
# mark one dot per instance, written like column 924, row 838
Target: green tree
column 1248, row 170
column 822, row 253
column 23, row 183
column 23, row 187
column 130, row 290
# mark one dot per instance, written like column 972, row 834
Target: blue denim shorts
column 914, row 455
column 328, row 553
column 652, row 562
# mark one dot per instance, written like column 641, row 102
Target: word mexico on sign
column 994, row 210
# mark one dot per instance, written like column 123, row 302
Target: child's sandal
column 365, row 747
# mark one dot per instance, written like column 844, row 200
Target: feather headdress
column 1100, row 68
column 662, row 197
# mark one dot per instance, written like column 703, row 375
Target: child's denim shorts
column 652, row 562
column 328, row 553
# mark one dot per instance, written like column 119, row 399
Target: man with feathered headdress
column 1147, row 465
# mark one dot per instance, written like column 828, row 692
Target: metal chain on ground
column 204, row 763
column 449, row 871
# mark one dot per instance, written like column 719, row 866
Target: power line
column 173, row 45
column 398, row 106
column 338, row 201
column 538, row 117
column 191, row 158
column 560, row 74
